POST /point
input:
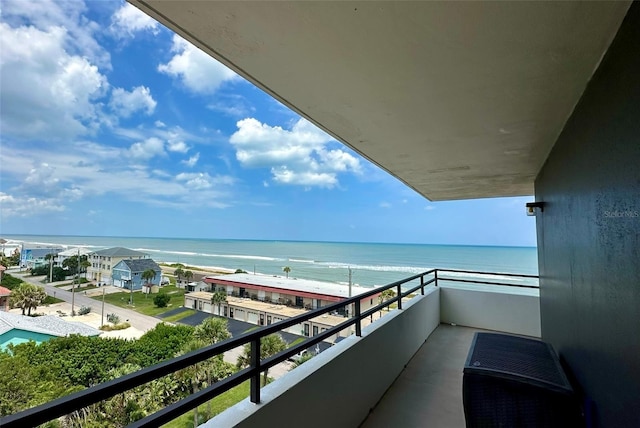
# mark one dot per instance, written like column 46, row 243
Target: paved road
column 137, row 320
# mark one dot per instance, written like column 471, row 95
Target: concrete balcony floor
column 428, row 392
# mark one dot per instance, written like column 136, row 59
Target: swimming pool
column 17, row 336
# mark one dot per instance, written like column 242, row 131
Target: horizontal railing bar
column 519, row 275
column 78, row 400
column 488, row 282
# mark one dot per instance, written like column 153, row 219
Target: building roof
column 4, row 291
column 294, row 285
column 47, row 324
column 36, row 253
column 118, row 252
column 271, row 308
column 140, row 265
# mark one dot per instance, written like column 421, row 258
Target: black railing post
column 399, row 296
column 435, row 275
column 358, row 319
column 422, row 285
column 255, row 379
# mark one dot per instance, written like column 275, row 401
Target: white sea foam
column 224, row 256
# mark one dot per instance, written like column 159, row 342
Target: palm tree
column 27, row 297
column 269, row 345
column 286, row 270
column 218, row 297
column 212, row 330
column 84, row 264
column 386, row 295
column 178, row 273
column 148, row 275
column 188, row 275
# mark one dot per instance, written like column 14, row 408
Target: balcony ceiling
column 456, row 99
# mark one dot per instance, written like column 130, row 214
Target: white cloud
column 304, row 178
column 385, row 205
column 147, row 149
column 177, row 146
column 18, row 206
column 429, row 208
column 45, row 92
column 48, row 180
column 192, row 161
column 128, row 20
column 199, row 72
column 48, row 14
column 160, row 124
column 125, row 103
column 297, row 156
column 200, row 180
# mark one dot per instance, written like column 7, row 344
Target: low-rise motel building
column 264, row 300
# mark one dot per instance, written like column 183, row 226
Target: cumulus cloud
column 297, row 156
column 128, row 20
column 199, row 72
column 177, row 146
column 125, row 103
column 45, row 91
column 47, row 14
column 192, row 161
column 147, row 149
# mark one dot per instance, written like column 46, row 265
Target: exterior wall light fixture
column 532, row 206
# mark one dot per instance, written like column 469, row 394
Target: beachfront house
column 33, row 257
column 458, row 100
column 128, row 273
column 103, row 261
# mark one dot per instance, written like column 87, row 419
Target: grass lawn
column 218, row 405
column 178, row 317
column 143, row 303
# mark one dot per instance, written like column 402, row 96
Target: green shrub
column 161, row 300
column 113, row 318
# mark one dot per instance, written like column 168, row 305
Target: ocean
column 371, row 264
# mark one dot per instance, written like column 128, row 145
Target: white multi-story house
column 103, row 261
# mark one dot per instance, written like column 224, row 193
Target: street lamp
column 130, row 291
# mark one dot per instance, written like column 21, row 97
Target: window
column 261, row 319
column 315, row 330
column 230, row 312
column 299, row 302
column 200, row 305
column 306, row 329
column 268, row 319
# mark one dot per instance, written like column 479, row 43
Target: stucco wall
column 589, row 236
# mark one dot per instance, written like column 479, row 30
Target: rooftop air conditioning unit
column 512, row 381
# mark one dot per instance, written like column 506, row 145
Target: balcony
column 404, row 369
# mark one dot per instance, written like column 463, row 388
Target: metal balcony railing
column 403, row 288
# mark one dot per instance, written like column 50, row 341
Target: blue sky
column 111, row 125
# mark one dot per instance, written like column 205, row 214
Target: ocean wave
column 375, row 268
column 224, row 256
column 16, row 242
column 302, row 260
